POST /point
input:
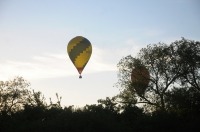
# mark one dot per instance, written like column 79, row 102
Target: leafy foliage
column 177, row 64
column 13, row 95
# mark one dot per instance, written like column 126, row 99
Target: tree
column 13, row 94
column 168, row 67
column 16, row 93
column 109, row 104
column 183, row 101
column 188, row 56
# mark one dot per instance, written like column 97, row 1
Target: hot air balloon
column 140, row 79
column 79, row 50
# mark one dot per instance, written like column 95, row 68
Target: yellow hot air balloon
column 79, row 50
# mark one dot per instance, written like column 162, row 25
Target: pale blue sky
column 34, row 36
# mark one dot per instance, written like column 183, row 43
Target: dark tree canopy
column 175, row 65
column 14, row 94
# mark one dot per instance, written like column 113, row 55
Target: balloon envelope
column 79, row 50
column 140, row 79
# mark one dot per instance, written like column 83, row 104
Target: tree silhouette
column 188, row 56
column 167, row 67
column 13, row 95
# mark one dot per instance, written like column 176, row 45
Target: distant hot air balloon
column 140, row 79
column 79, row 50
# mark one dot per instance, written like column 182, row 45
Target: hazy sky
column 34, row 35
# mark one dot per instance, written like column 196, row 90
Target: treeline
column 170, row 101
column 98, row 118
